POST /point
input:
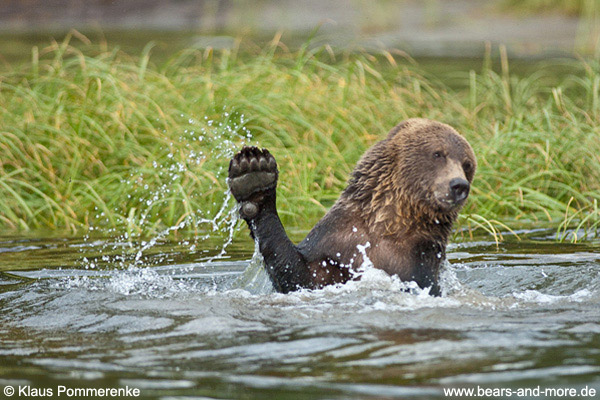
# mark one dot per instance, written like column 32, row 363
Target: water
column 521, row 315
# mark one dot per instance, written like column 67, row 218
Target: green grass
column 570, row 7
column 106, row 140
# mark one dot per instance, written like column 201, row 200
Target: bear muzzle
column 451, row 194
column 451, row 189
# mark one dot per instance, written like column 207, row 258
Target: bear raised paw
column 398, row 209
column 252, row 177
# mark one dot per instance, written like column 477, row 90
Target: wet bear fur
column 399, row 206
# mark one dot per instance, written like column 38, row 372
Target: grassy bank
column 108, row 140
column 569, row 7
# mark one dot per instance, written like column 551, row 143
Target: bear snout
column 459, row 190
column 451, row 188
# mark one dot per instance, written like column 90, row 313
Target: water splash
column 254, row 279
column 204, row 140
column 140, row 282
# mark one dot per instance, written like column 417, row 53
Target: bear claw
column 252, row 171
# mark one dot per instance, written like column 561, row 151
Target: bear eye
column 467, row 166
column 438, row 154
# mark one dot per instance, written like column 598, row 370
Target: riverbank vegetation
column 98, row 138
column 570, row 7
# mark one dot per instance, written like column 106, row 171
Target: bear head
column 419, row 175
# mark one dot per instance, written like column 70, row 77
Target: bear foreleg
column 253, row 180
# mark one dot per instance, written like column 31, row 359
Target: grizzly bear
column 398, row 209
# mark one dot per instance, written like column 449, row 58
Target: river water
column 176, row 326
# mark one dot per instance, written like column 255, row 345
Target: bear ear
column 401, row 126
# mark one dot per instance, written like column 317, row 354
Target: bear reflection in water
column 398, row 208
